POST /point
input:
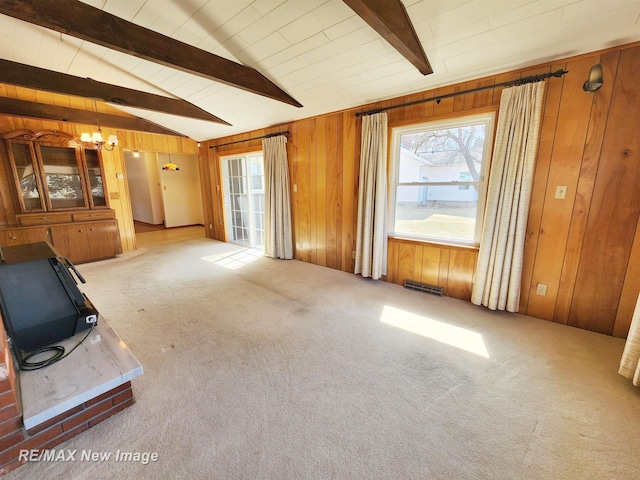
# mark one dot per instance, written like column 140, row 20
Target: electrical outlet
column 541, row 289
column 561, row 192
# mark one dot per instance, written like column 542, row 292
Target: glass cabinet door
column 98, row 198
column 27, row 178
column 62, row 175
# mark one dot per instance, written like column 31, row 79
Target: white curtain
column 630, row 362
column 371, row 234
column 278, row 241
column 499, row 268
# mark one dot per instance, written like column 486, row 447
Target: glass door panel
column 244, row 199
column 62, row 174
column 27, row 178
column 98, row 198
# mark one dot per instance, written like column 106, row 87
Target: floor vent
column 424, row 287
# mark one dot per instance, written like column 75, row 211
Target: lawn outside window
column 438, row 179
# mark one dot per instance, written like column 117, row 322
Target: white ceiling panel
column 321, row 53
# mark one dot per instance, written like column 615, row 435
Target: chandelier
column 97, row 139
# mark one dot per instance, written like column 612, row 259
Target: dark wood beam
column 390, row 19
column 97, row 26
column 23, row 108
column 15, row 73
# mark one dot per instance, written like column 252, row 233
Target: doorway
column 163, row 199
column 243, row 179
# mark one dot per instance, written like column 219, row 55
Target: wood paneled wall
column 113, row 161
column 585, row 248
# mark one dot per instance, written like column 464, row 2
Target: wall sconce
column 97, row 139
column 595, row 79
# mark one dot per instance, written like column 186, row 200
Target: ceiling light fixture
column 170, row 166
column 595, row 79
column 97, row 139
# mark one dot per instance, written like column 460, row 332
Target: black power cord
column 56, row 357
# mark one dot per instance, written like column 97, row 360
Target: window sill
column 452, row 246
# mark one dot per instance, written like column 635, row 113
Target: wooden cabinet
column 82, row 238
column 19, row 236
column 86, row 241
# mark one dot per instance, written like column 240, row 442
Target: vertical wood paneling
column 461, row 269
column 568, row 148
column 443, row 106
column 320, row 186
column 334, row 189
column 553, row 96
column 615, row 207
column 443, row 271
column 630, row 290
column 302, row 145
column 584, row 190
column 405, row 262
column 479, row 99
column 430, row 268
column 350, row 165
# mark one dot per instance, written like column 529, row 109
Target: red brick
column 5, row 385
column 86, row 415
column 108, row 394
column 10, row 426
column 106, row 415
column 65, row 436
column 8, row 412
column 123, row 396
column 10, row 440
column 29, row 444
column 7, row 399
column 57, row 419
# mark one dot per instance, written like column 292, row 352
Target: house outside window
column 438, row 178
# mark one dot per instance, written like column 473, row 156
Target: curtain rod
column 268, row 135
column 519, row 81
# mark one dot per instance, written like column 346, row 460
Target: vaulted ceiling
column 324, row 55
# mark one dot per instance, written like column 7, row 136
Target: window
column 244, row 199
column 438, row 179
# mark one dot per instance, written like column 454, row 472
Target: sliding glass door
column 243, row 177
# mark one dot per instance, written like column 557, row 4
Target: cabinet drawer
column 90, row 216
column 44, row 219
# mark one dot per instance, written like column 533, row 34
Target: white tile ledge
column 102, row 363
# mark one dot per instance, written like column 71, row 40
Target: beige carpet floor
column 268, row 369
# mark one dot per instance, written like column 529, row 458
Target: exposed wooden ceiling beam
column 23, row 108
column 15, row 73
column 390, row 19
column 97, row 26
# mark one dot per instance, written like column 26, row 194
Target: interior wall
column 113, row 162
column 585, row 248
column 143, row 179
column 181, row 190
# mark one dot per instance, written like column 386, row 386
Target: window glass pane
column 95, row 178
column 441, row 155
column 441, row 211
column 26, row 176
column 63, row 177
column 438, row 179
